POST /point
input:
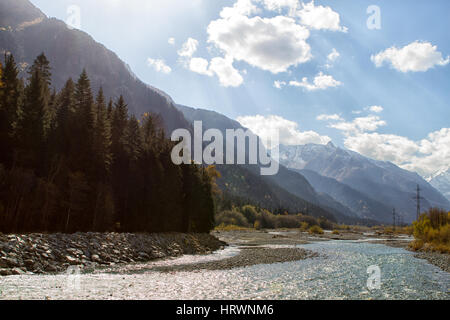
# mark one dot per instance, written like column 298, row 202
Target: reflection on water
column 339, row 273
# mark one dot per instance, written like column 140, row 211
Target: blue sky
column 410, row 82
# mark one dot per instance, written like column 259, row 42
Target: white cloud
column 279, row 84
column 321, row 82
column 376, row 109
column 171, row 41
column 200, row 65
column 320, row 18
column 332, row 117
column 271, row 44
column 333, row 55
column 426, row 156
column 278, row 5
column 385, row 147
column 228, row 75
column 159, row 65
column 188, row 48
column 289, row 133
column 415, row 57
column 222, row 67
column 240, row 7
column 359, row 125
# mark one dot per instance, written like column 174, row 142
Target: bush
column 231, row 218
column 249, row 213
column 304, row 226
column 325, row 224
column 432, row 230
column 230, row 227
column 287, row 222
column 336, row 232
column 316, row 230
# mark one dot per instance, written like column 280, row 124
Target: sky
column 371, row 76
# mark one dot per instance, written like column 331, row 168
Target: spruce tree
column 102, row 138
column 31, row 129
column 10, row 92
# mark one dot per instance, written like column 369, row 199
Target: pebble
column 52, row 253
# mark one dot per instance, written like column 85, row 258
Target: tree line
column 74, row 161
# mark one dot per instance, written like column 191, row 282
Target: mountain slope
column 382, row 181
column 355, row 200
column 26, row 32
column 286, row 187
column 441, row 181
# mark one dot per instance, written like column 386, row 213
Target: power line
column 393, row 217
column 417, row 198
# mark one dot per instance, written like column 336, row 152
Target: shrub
column 287, row 222
column 336, row 232
column 231, row 218
column 304, row 226
column 325, row 224
column 249, row 213
column 315, row 230
column 230, row 227
column 432, row 230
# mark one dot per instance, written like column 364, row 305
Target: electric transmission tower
column 393, row 217
column 417, row 198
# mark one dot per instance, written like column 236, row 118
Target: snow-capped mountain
column 381, row 181
column 441, row 181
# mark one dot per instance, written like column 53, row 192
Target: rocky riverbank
column 54, row 253
column 249, row 256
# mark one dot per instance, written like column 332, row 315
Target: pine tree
column 120, row 159
column 85, row 125
column 102, row 138
column 31, row 130
column 133, row 136
column 65, row 119
column 10, row 92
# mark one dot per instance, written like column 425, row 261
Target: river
column 339, row 272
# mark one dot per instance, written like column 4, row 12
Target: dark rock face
column 51, row 253
column 26, row 32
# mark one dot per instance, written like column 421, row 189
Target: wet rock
column 5, row 272
column 56, row 252
column 71, row 260
column 17, row 271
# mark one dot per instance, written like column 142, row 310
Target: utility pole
column 418, row 198
column 393, row 217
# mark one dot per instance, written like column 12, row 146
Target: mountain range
column 441, row 181
column 323, row 181
column 381, row 181
column 26, row 32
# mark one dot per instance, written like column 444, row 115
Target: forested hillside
column 71, row 161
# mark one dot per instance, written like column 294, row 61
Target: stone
column 17, row 271
column 71, row 260
column 5, row 272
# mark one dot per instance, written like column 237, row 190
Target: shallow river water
column 340, row 272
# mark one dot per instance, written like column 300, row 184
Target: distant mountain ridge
column 441, row 181
column 287, row 187
column 26, row 32
column 378, row 180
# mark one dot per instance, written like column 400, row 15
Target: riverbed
column 340, row 269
